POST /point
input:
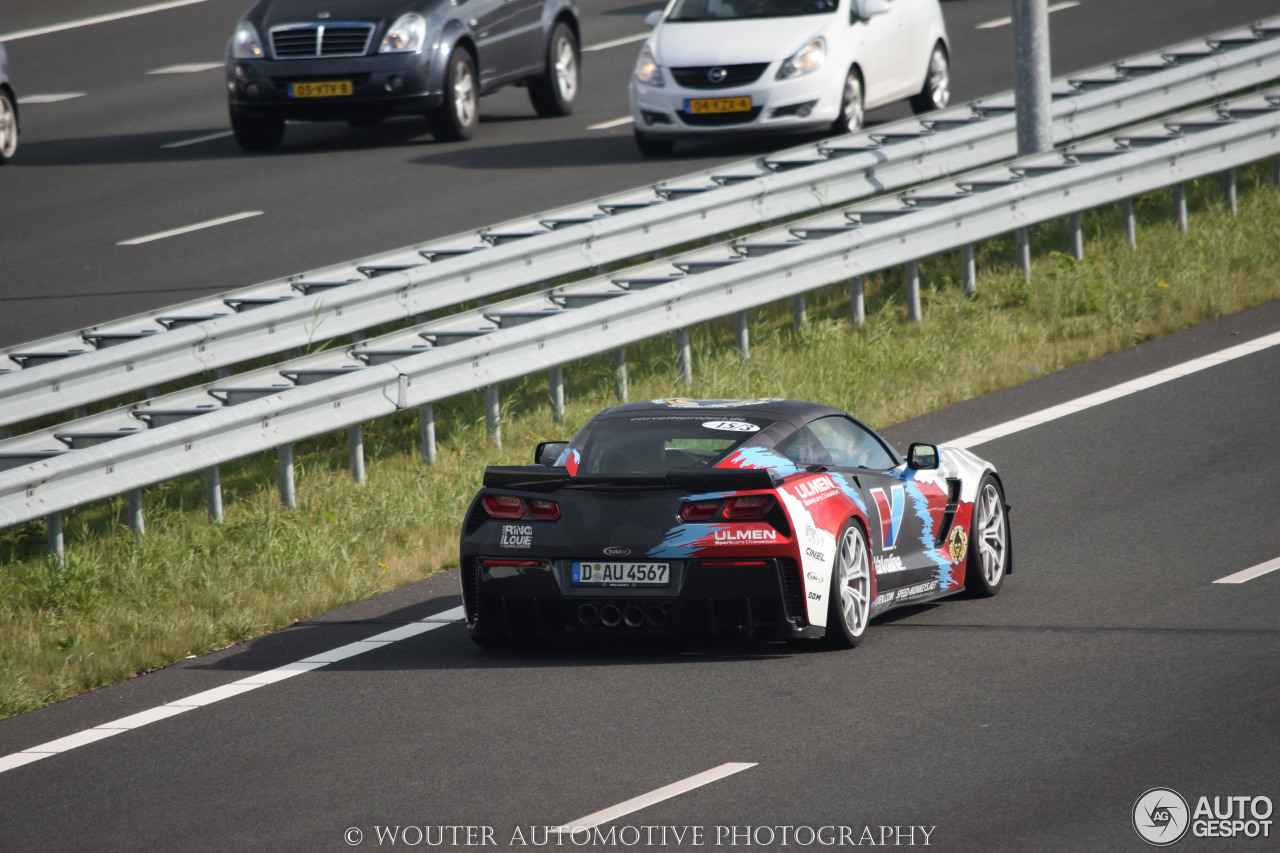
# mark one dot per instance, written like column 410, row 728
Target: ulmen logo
column 1160, row 817
column 890, row 509
column 746, row 536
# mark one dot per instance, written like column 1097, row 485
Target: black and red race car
column 767, row 518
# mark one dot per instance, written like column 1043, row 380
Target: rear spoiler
column 544, row 478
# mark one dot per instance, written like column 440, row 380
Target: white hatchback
column 741, row 66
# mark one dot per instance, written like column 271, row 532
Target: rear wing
column 541, row 478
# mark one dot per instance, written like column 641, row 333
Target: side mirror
column 548, row 452
column 865, row 10
column 923, row 457
column 652, row 19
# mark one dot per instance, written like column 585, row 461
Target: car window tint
column 655, row 444
column 850, row 445
column 804, row 448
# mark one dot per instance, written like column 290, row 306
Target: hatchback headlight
column 647, row 70
column 245, row 43
column 804, row 61
column 406, row 35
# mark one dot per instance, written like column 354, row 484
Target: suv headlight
column 245, row 43
column 406, row 35
column 647, row 70
column 805, row 60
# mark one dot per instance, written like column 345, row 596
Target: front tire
column 852, row 104
column 257, row 134
column 8, row 128
column 936, row 92
column 850, row 606
column 988, row 558
column 456, row 119
column 554, row 92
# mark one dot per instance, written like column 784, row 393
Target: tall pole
column 1031, row 75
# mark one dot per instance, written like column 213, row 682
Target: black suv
column 361, row 61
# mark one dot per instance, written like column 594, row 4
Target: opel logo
column 717, row 75
column 322, row 15
column 615, row 551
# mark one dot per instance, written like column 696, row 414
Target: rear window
column 654, row 444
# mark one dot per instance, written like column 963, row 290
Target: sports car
column 766, row 518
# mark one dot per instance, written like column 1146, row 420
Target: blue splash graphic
column 843, row 483
column 921, row 505
column 567, row 454
column 680, row 541
column 759, row 457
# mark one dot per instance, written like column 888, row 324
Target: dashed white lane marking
column 1115, row 392
column 1249, row 574
column 605, row 45
column 664, row 793
column 226, row 691
column 51, row 98
column 187, row 68
column 187, row 229
column 1004, row 22
column 605, row 125
column 97, row 19
column 222, row 134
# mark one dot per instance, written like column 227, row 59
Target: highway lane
column 93, row 170
column 1110, row 664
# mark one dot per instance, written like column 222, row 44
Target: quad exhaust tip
column 588, row 615
column 611, row 614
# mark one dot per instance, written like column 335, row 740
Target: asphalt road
column 93, row 170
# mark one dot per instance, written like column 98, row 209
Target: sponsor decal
column 516, row 536
column 887, row 564
column 615, row 551
column 734, row 537
column 890, row 508
column 916, row 590
column 811, row 533
column 816, row 596
column 817, row 489
column 814, row 576
column 817, row 555
column 685, row 403
column 884, row 598
column 958, row 544
column 731, row 426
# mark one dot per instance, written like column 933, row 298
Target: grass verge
column 120, row 606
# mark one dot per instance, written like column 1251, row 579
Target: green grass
column 120, row 606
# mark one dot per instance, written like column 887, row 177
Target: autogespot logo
column 1160, row 816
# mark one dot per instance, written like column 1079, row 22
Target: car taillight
column 544, row 510
column 748, row 507
column 503, row 506
column 699, row 510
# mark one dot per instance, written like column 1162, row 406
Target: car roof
column 794, row 411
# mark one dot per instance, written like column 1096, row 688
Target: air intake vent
column 718, row 76
column 308, row 41
column 792, row 591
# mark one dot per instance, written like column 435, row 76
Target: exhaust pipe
column 633, row 616
column 656, row 615
column 588, row 615
column 610, row 616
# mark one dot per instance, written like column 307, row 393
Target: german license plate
column 321, row 89
column 701, row 106
column 622, row 574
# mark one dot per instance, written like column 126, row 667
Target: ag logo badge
column 1160, row 817
column 959, row 544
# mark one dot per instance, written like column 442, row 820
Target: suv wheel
column 554, row 92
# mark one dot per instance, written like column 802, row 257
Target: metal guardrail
column 145, row 351
column 343, row 388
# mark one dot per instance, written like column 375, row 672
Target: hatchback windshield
column 655, row 444
column 728, row 10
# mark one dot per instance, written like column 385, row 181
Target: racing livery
column 768, row 518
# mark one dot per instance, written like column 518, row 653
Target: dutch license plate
column 622, row 574
column 700, row 106
column 321, row 89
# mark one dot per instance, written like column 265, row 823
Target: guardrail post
column 1075, row 230
column 1229, row 191
column 138, row 524
column 355, row 452
column 79, row 412
column 222, row 372
column 1275, row 171
column 284, row 458
column 799, row 312
column 213, row 493
column 1130, row 223
column 555, row 379
column 492, row 413
column 620, row 374
column 914, row 311
column 742, row 336
column 857, row 303
column 968, row 271
column 427, row 432
column 56, row 539
column 684, row 357
column 1022, row 249
column 1180, row 206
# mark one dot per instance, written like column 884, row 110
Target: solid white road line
column 605, row 125
column 226, row 691
column 1124, row 389
column 1249, row 574
column 235, row 217
column 1004, row 22
column 664, row 793
column 605, row 45
column 49, row 99
column 187, row 68
column 97, row 19
column 222, row 134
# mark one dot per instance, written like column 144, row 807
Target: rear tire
column 8, row 128
column 988, row 560
column 456, row 119
column 936, row 92
column 651, row 147
column 257, row 134
column 554, row 92
column 850, row 606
